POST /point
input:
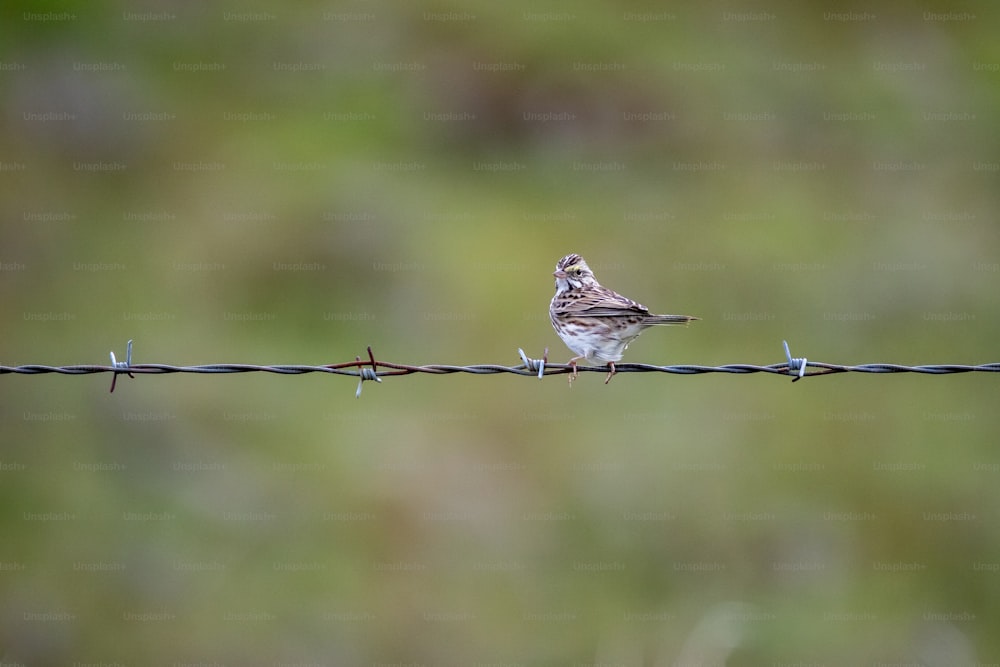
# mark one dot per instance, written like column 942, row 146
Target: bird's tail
column 669, row 319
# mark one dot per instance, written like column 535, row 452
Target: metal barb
column 365, row 373
column 121, row 364
column 795, row 364
column 535, row 364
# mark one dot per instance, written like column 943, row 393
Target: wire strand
column 493, row 369
column 372, row 369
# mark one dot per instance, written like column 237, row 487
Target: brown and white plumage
column 597, row 323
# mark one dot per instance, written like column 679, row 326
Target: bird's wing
column 602, row 302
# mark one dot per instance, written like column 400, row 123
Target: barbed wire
column 372, row 369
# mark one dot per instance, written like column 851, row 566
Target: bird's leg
column 572, row 376
column 611, row 372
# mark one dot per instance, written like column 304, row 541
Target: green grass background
column 311, row 179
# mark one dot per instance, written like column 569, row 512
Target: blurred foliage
column 263, row 183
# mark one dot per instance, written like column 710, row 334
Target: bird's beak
column 559, row 274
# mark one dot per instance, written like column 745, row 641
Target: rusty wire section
column 372, row 369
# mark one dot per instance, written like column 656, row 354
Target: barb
column 795, row 363
column 372, row 369
column 532, row 364
column 366, row 373
column 121, row 364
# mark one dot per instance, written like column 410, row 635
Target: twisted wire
column 372, row 369
column 387, row 369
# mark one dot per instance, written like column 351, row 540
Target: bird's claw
column 611, row 372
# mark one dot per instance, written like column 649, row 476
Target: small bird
column 596, row 323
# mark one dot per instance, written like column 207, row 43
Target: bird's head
column 572, row 272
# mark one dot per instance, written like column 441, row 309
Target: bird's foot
column 575, row 373
column 611, row 373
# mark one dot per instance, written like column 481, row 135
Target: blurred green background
column 270, row 183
